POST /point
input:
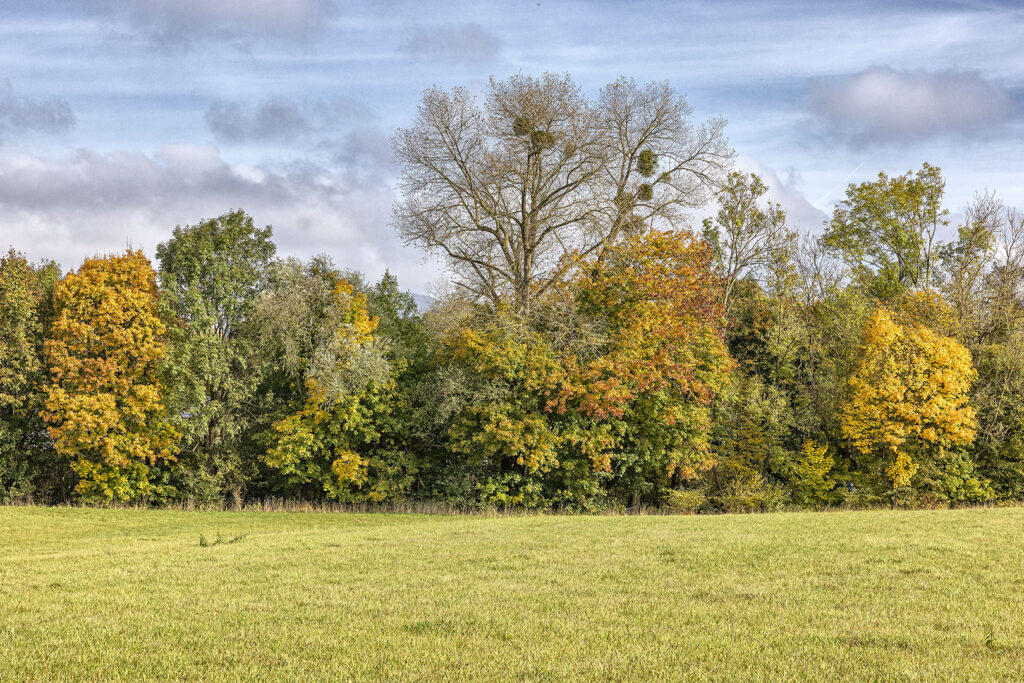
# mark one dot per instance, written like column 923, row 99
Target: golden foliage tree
column 664, row 360
column 104, row 403
column 908, row 397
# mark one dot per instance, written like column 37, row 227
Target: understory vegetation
column 598, row 349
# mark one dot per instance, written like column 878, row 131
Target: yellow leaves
column 349, row 468
column 102, row 483
column 358, row 327
column 104, row 405
column 812, row 473
column 910, row 391
column 502, row 430
column 926, row 307
column 596, row 444
column 623, row 360
column 293, row 439
column 901, row 470
column 324, row 442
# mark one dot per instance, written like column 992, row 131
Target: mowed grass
column 119, row 594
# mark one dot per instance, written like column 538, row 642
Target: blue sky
column 120, row 120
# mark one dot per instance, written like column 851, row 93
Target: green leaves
column 25, row 311
column 211, row 276
column 887, row 230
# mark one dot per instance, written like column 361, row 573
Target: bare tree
column 820, row 273
column 748, row 233
column 966, row 262
column 1005, row 280
column 507, row 190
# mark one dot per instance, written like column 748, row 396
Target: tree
column 751, row 430
column 986, row 272
column 104, row 403
column 1003, row 282
column 607, row 388
column 664, row 363
column 750, row 239
column 908, row 398
column 999, row 400
column 887, row 229
column 506, row 190
column 25, row 449
column 329, row 439
column 966, row 262
column 211, row 275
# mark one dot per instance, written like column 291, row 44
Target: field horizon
column 164, row 594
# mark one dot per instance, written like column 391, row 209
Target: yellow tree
column 104, row 405
column 908, row 396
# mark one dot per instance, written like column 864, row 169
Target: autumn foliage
column 621, row 399
column 104, row 403
column 908, row 398
column 327, row 442
column 737, row 371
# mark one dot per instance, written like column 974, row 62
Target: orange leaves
column 662, row 306
column 623, row 360
column 104, row 405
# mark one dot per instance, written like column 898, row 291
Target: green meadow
column 100, row 594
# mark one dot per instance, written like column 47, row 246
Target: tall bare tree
column 508, row 188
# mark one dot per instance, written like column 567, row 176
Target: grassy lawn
column 121, row 594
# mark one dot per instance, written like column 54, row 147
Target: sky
column 121, row 119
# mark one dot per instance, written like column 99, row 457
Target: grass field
column 121, row 594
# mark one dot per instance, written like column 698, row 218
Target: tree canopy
column 598, row 350
column 508, row 187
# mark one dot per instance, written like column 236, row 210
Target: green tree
column 966, row 263
column 336, row 388
column 749, row 234
column 211, row 275
column 606, row 390
column 27, row 463
column 887, row 230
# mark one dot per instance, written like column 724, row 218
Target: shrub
column 752, row 494
column 683, row 501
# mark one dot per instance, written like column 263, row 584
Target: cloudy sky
column 120, row 119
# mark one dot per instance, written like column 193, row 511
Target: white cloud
column 800, row 213
column 881, row 105
column 91, row 202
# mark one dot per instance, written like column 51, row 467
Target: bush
column 752, row 494
column 683, row 501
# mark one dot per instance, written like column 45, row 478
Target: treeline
column 595, row 352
